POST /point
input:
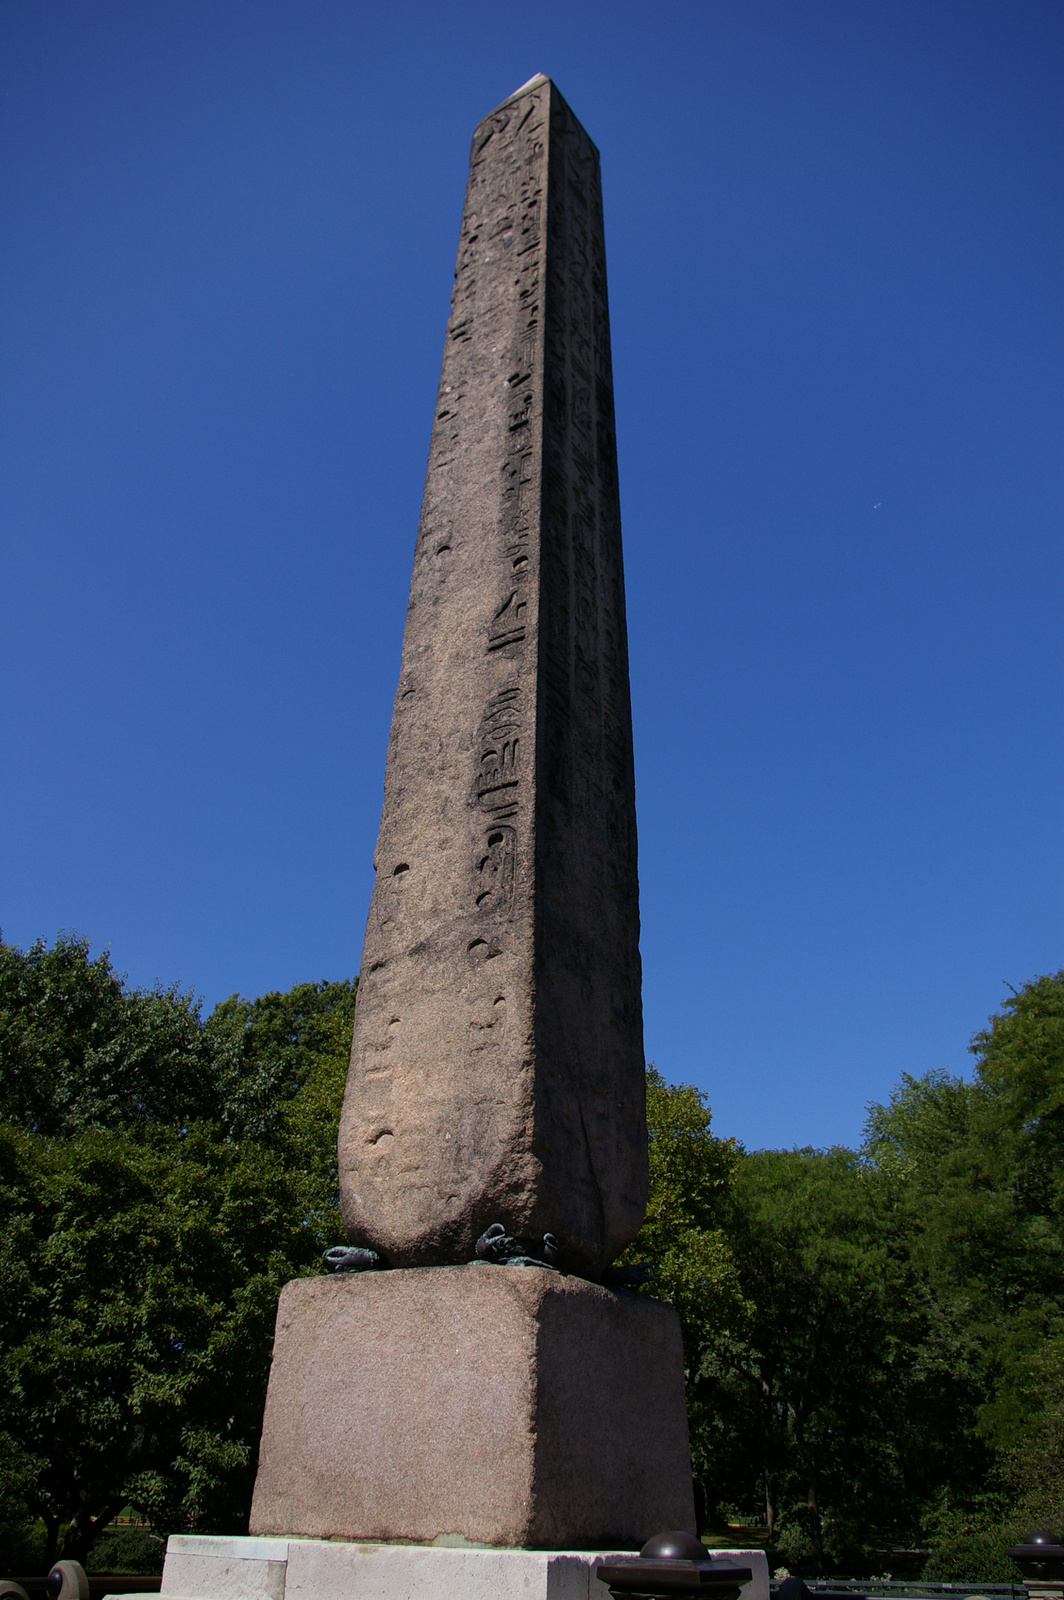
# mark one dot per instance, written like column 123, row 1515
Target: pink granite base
column 503, row 1406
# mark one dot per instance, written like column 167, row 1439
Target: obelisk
column 496, row 1078
column 497, row 1069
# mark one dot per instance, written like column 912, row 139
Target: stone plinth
column 503, row 1406
column 211, row 1568
column 497, row 1065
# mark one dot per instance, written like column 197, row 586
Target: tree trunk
column 51, row 1543
column 82, row 1531
column 768, row 1443
column 812, row 1500
column 816, row 1525
column 770, row 1503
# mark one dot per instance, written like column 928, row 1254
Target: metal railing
column 68, row 1580
column 869, row 1588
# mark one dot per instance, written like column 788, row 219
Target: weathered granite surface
column 509, row 1406
column 497, row 1066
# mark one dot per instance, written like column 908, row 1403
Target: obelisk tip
column 537, row 77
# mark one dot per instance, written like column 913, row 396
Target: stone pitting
column 511, row 1407
column 497, row 1065
column 495, row 1101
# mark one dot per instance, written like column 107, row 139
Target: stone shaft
column 497, row 1064
column 505, row 1406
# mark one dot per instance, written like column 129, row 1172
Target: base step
column 208, row 1567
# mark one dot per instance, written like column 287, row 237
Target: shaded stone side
column 497, row 1069
column 506, row 1406
column 588, row 1016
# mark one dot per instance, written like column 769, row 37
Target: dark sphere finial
column 675, row 1545
column 1040, row 1556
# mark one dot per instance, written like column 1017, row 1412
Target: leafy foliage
column 270, row 1054
column 145, row 1236
column 131, row 1550
column 78, row 1049
column 839, row 1408
column 979, row 1180
column 683, row 1236
column 691, row 1171
column 874, row 1340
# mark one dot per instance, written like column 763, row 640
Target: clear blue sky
column 834, row 241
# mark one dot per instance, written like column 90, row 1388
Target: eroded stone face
column 506, row 1406
column 497, row 1065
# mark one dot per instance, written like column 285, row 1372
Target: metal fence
column 68, row 1580
column 902, row 1588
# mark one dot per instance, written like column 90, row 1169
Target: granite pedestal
column 501, row 1405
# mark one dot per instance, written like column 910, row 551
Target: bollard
column 68, row 1580
column 670, row 1566
column 1041, row 1560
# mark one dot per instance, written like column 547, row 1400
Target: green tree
column 982, row 1163
column 271, row 1053
column 140, row 1279
column 683, row 1237
column 842, row 1388
column 144, row 1235
column 285, row 1068
column 78, row 1049
column 978, row 1174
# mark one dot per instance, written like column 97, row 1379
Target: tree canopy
column 161, row 1177
column 874, row 1339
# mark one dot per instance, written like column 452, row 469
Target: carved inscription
column 506, row 866
column 495, row 871
column 496, row 793
column 499, row 754
column 519, row 518
column 505, row 218
column 508, row 623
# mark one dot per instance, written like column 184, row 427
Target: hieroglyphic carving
column 508, row 623
column 496, row 792
column 519, row 508
column 498, row 756
column 495, row 871
column 514, row 207
column 497, row 1052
